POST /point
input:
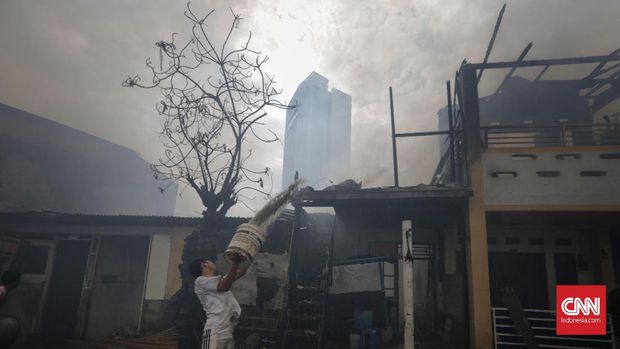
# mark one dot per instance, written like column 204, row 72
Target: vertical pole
column 485, row 142
column 451, row 128
column 394, row 154
column 407, row 285
column 490, row 47
column 605, row 257
column 563, row 136
column 148, row 265
column 480, row 322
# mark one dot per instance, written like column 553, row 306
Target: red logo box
column 580, row 310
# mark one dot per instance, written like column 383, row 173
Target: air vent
column 563, row 242
column 523, row 157
column 593, row 173
column 536, row 241
column 506, row 174
column 548, row 173
column 568, row 156
column 513, row 241
column 609, row 156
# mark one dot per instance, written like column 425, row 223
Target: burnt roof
column 85, row 219
column 420, row 193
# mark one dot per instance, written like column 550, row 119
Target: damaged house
column 524, row 198
column 98, row 248
column 88, row 278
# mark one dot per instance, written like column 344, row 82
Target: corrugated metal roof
column 84, row 219
column 309, row 197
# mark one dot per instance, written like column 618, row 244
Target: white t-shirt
column 222, row 309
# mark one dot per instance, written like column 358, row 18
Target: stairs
column 309, row 281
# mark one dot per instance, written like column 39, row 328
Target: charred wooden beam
column 542, row 62
column 608, row 69
column 583, row 83
column 600, row 86
column 597, row 70
column 394, row 153
column 492, row 41
column 542, row 72
column 427, row 133
column 513, row 69
column 451, row 129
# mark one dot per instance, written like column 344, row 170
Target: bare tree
column 213, row 103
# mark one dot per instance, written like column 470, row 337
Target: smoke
column 65, row 61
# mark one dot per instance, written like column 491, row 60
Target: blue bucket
column 363, row 320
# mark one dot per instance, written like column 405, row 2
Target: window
column 513, row 241
column 31, row 259
column 592, row 173
column 609, row 156
column 548, row 173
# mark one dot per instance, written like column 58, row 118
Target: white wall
column 157, row 272
column 569, row 188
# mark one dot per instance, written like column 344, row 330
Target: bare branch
column 206, row 121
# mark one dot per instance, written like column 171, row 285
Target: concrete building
column 544, row 205
column 369, row 271
column 524, row 199
column 93, row 277
column 86, row 276
column 317, row 142
column 48, row 166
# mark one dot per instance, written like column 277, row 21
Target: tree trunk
column 189, row 318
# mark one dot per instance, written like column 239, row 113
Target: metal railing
column 558, row 135
column 542, row 323
column 450, row 168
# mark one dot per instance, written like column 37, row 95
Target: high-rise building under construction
column 317, row 144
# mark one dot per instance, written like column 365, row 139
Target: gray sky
column 65, row 60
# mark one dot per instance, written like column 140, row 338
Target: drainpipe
column 407, row 283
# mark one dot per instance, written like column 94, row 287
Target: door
column 524, row 272
column 118, row 287
column 566, row 269
column 65, row 288
column 34, row 260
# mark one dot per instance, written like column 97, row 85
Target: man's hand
column 233, row 274
column 236, row 258
column 240, row 273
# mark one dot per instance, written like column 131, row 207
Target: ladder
column 309, row 282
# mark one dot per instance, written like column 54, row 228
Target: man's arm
column 240, row 273
column 226, row 282
column 233, row 274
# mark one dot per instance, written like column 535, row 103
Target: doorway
column 65, row 288
column 525, row 272
column 34, row 259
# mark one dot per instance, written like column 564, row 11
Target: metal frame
column 498, row 344
column 87, row 287
column 44, row 278
column 452, row 132
column 532, row 135
column 543, row 62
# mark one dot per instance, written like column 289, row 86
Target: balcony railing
column 542, row 323
column 558, row 135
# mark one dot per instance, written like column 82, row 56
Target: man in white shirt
column 8, row 281
column 9, row 325
column 220, row 306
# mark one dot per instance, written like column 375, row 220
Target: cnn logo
column 581, row 310
column 578, row 306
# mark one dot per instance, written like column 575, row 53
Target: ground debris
column 162, row 340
